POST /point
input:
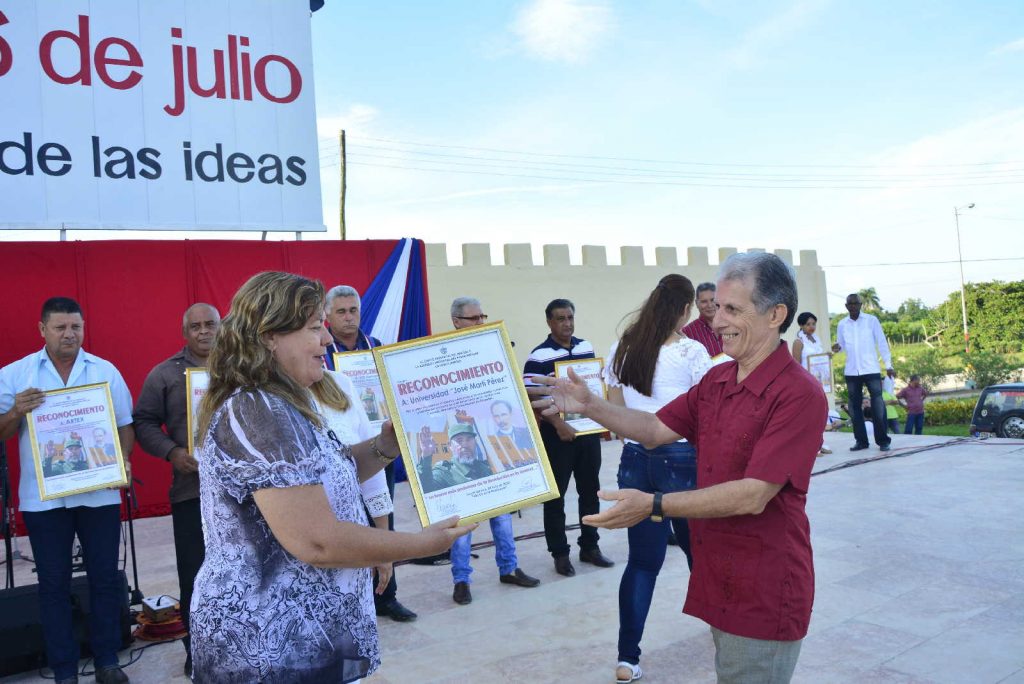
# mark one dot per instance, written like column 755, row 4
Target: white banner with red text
column 171, row 115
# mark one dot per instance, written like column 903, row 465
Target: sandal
column 627, row 672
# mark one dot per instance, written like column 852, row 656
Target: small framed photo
column 820, row 366
column 197, row 381
column 75, row 446
column 468, row 435
column 589, row 371
column 361, row 369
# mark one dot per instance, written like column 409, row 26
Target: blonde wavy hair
column 328, row 393
column 269, row 302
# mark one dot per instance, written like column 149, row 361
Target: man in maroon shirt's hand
column 757, row 423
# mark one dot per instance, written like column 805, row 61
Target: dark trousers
column 189, row 551
column 390, row 591
column 581, row 459
column 855, row 386
column 915, row 424
column 52, row 535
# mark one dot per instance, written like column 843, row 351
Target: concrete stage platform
column 920, row 578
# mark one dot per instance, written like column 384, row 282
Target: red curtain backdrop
column 133, row 294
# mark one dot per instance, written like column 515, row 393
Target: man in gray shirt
column 161, row 419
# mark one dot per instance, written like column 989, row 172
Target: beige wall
column 518, row 290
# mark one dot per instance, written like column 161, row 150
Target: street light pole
column 960, row 258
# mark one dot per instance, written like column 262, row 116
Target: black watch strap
column 657, row 514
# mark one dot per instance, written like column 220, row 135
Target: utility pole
column 343, row 184
column 960, row 258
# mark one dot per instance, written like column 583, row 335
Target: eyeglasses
column 481, row 318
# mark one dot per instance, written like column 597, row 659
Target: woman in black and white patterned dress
column 285, row 592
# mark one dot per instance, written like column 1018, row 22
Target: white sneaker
column 627, row 672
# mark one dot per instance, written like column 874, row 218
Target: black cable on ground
column 901, row 453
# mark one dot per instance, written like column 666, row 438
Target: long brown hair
column 328, row 393
column 269, row 302
column 637, row 354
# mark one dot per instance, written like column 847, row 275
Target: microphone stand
column 131, row 502
column 6, row 526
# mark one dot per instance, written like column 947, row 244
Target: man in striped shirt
column 570, row 455
column 700, row 329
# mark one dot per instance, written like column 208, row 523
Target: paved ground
column 920, row 578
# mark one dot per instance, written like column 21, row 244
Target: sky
column 850, row 127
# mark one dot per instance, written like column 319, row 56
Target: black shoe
column 519, row 578
column 885, row 447
column 111, row 675
column 188, row 666
column 396, row 611
column 563, row 566
column 858, row 447
column 595, row 557
column 461, row 594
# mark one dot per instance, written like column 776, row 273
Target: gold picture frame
column 197, row 380
column 70, row 465
column 590, row 371
column 361, row 368
column 820, row 366
column 448, row 395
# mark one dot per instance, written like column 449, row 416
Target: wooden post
column 343, row 180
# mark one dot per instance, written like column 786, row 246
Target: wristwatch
column 657, row 515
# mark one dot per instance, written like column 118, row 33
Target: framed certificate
column 469, row 439
column 589, row 371
column 361, row 369
column 197, row 381
column 820, row 366
column 75, row 447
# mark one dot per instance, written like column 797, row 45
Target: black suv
column 1000, row 410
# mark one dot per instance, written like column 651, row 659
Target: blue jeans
column 669, row 468
column 855, row 385
column 915, row 422
column 52, row 534
column 504, row 550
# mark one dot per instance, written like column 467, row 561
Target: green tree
column 869, row 297
column 913, row 310
column 986, row 368
column 928, row 363
column 995, row 315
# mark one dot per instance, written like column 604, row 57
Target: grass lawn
column 942, row 430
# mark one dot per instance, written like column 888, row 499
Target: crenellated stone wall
column 518, row 290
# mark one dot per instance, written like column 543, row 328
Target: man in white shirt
column 861, row 337
column 95, row 517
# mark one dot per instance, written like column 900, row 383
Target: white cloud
column 562, row 30
column 995, row 143
column 1013, row 46
column 774, row 31
column 356, row 120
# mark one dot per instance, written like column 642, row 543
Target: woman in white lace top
column 650, row 366
column 350, row 423
column 808, row 343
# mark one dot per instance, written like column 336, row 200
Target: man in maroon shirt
column 700, row 328
column 756, row 422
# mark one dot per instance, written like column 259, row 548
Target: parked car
column 1000, row 410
